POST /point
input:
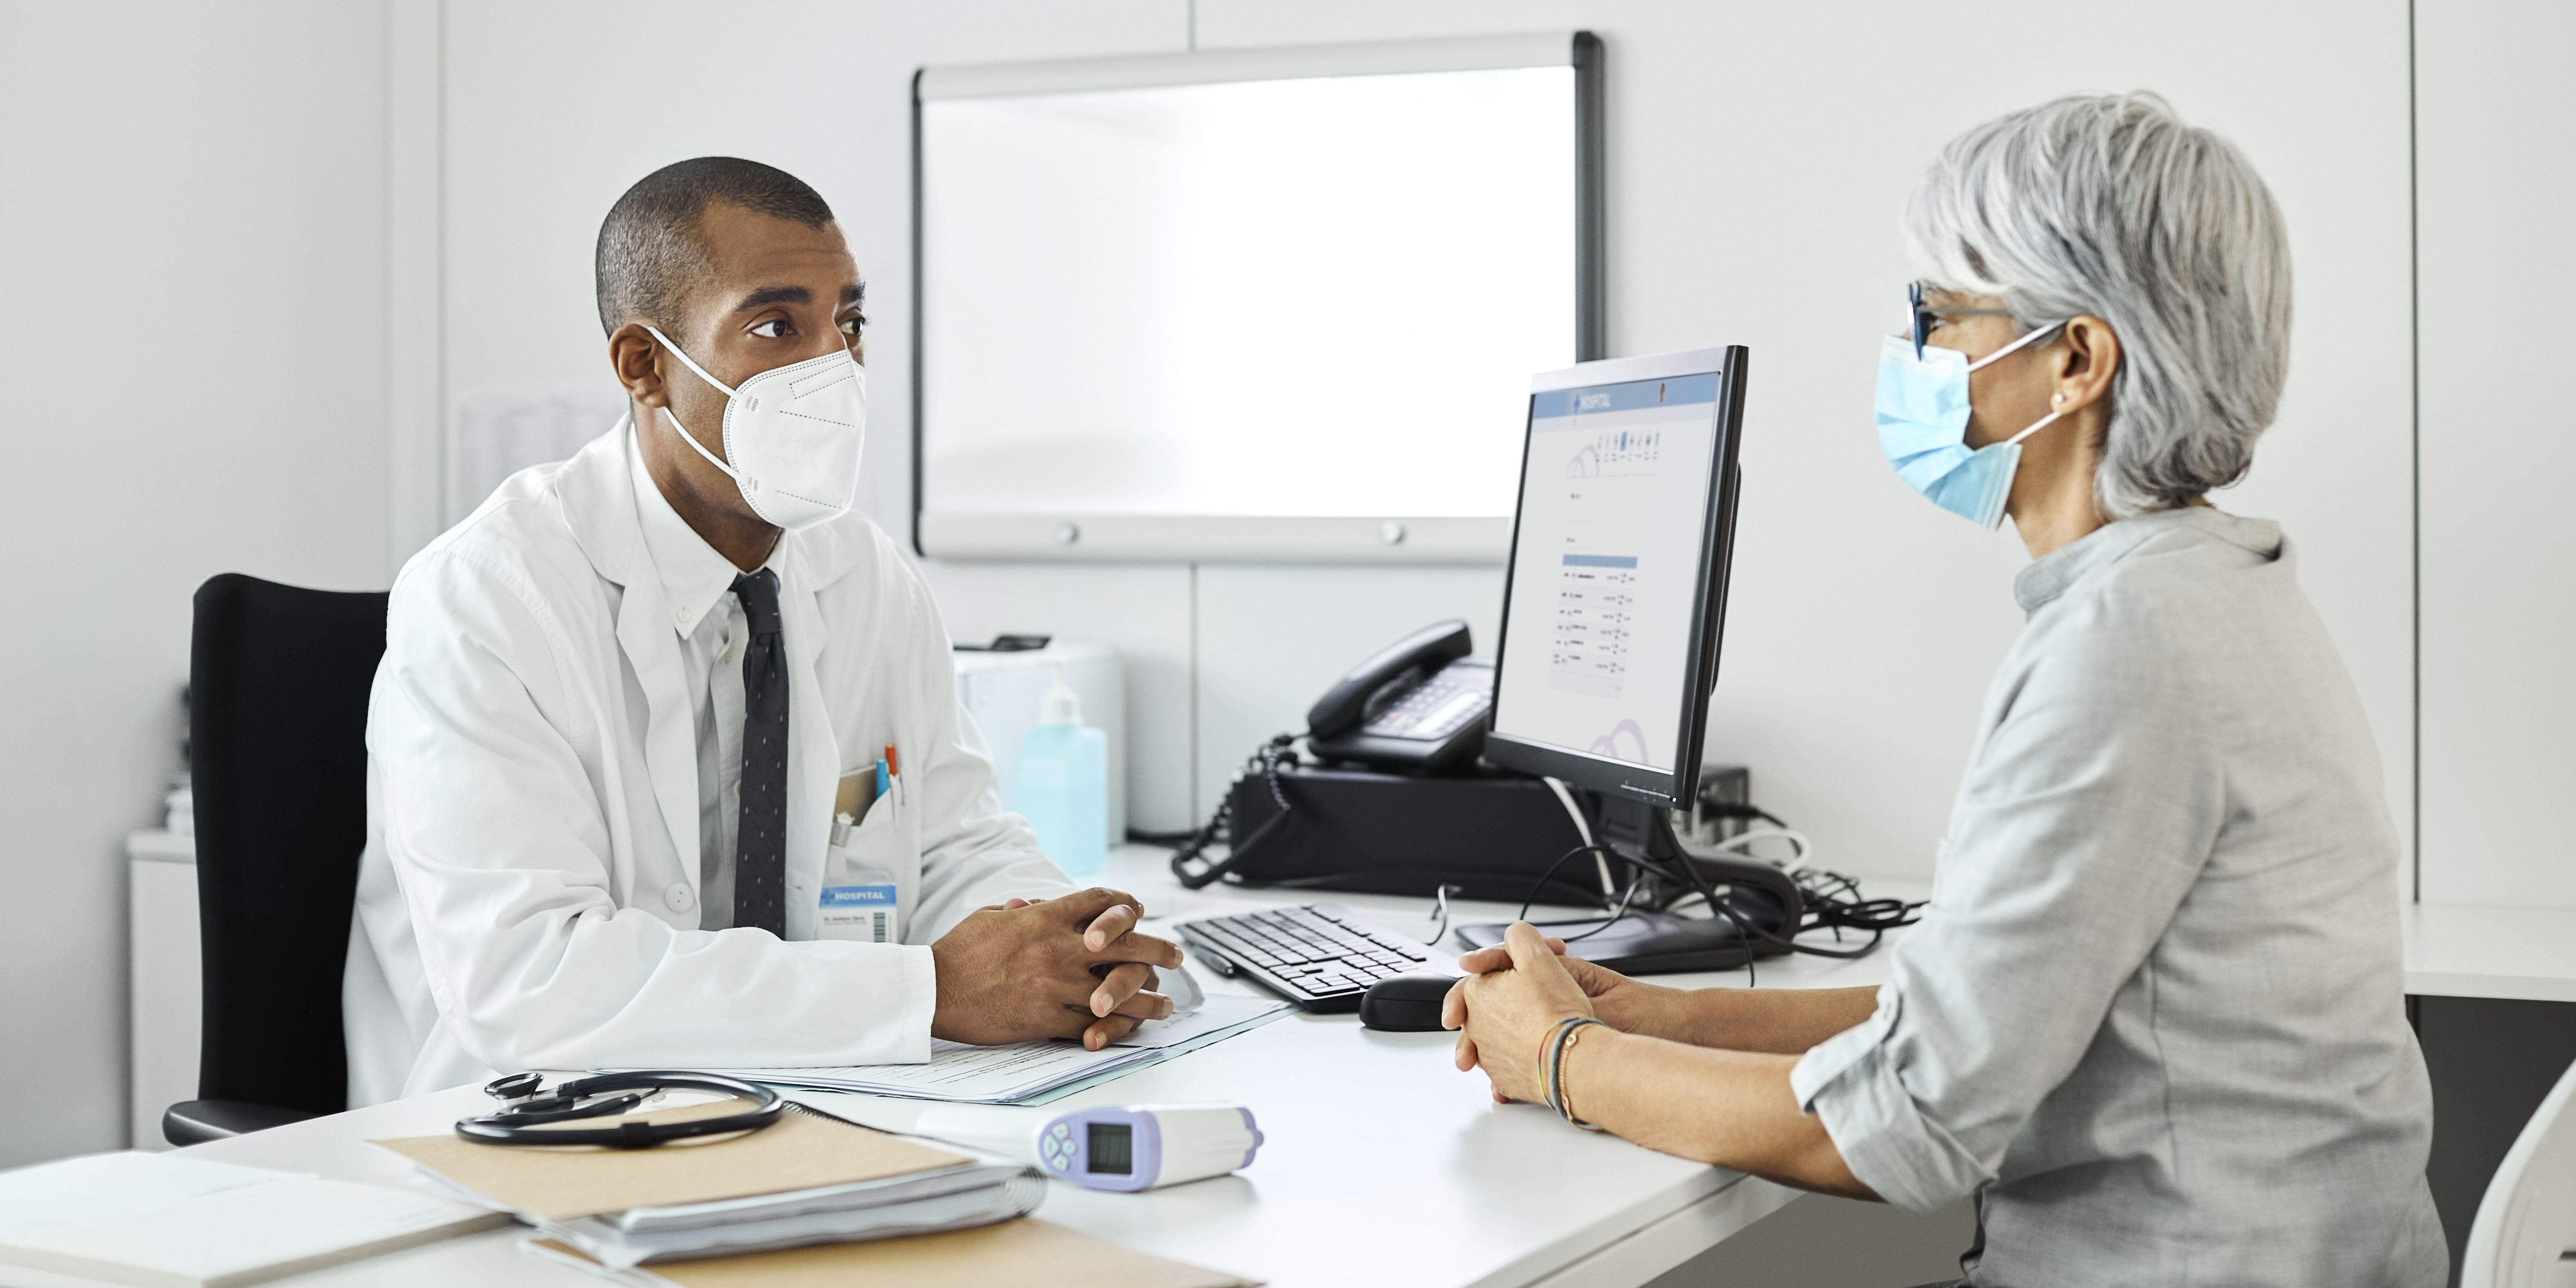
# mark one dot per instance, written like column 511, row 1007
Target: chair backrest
column 2525, row 1235
column 277, row 728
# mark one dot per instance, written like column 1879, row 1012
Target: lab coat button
column 679, row 896
column 681, row 615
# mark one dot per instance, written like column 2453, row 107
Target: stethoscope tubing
column 520, row 1124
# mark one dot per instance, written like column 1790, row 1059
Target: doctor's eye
column 851, row 326
column 774, row 328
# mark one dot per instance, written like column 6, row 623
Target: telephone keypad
column 1441, row 706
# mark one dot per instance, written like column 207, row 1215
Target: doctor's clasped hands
column 1072, row 966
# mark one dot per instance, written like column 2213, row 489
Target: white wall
column 192, row 251
column 2497, row 120
column 1759, row 157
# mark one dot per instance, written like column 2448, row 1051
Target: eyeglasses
column 1922, row 315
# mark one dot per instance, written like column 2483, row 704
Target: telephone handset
column 1421, row 705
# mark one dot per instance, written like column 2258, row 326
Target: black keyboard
column 1320, row 955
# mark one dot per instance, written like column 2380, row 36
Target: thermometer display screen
column 1112, row 1148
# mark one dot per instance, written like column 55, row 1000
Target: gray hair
column 2111, row 206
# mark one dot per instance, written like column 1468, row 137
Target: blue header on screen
column 1628, row 397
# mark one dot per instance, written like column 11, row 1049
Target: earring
column 2058, row 399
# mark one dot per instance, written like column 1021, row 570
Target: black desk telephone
column 1389, row 796
column 1419, row 706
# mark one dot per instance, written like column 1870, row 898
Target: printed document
column 1027, row 1072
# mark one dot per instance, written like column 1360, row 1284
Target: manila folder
column 801, row 1151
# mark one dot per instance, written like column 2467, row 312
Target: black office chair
column 277, row 729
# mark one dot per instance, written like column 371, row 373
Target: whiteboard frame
column 1129, row 538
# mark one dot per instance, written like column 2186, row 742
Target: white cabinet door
column 2496, row 193
column 163, row 920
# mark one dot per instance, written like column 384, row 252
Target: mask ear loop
column 692, row 363
column 2044, row 421
column 2050, row 329
column 2035, row 426
column 701, row 372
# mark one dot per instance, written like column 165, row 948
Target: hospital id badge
column 865, row 913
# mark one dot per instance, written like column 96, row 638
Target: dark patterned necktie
column 760, row 845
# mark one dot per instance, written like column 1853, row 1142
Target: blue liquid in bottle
column 1061, row 784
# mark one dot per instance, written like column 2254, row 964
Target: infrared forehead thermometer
column 1110, row 1147
column 1138, row 1147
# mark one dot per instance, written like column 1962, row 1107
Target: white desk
column 1383, row 1164
column 2526, row 954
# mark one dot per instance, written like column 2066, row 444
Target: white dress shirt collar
column 694, row 576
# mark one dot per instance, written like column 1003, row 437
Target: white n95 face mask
column 792, row 435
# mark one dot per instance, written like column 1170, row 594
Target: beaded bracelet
column 1551, row 1067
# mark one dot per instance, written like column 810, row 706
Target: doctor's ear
column 631, row 351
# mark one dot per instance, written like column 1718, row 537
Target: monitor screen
column 1608, row 564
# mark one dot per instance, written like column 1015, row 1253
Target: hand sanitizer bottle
column 1061, row 783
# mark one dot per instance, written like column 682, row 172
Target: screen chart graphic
column 1595, row 603
column 1615, row 452
column 1614, row 508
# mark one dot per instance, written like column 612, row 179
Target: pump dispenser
column 1060, row 783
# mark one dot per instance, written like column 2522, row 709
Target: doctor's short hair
column 2110, row 205
column 650, row 251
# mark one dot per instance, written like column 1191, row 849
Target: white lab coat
column 528, row 898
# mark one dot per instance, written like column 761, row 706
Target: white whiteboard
column 1151, row 312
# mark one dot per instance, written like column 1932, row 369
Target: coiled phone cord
column 1266, row 759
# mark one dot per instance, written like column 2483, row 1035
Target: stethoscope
column 532, row 1107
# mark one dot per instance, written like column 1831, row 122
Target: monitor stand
column 1762, row 897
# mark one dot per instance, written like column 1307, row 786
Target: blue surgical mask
column 1923, row 428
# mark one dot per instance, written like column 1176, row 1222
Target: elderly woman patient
column 2153, row 1017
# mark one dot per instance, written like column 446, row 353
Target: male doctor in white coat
column 621, row 704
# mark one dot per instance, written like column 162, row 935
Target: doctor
column 623, row 743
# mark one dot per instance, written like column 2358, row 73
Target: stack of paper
column 176, row 1222
column 1031, row 1072
column 999, row 1075
column 806, row 1179
column 1012, row 1254
column 764, row 1223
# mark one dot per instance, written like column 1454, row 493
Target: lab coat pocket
column 863, row 883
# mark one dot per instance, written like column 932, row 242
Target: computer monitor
column 1615, row 598
column 1613, row 609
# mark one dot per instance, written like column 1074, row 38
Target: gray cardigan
column 2154, row 1017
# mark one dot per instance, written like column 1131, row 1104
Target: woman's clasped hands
column 1515, row 992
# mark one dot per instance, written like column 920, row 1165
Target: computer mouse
column 1405, row 1003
